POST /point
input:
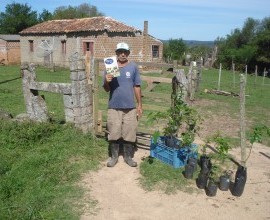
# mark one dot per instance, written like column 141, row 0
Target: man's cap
column 122, row 46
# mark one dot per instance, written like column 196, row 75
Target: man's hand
column 139, row 111
column 109, row 77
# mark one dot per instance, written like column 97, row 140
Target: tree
column 174, row 49
column 88, row 10
column 16, row 18
column 199, row 51
column 45, row 16
column 64, row 12
column 82, row 11
column 247, row 46
column 263, row 42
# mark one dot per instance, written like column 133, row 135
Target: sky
column 203, row 20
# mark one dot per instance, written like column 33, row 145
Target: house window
column 155, row 51
column 88, row 47
column 64, row 46
column 31, row 45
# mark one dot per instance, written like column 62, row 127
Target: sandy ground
column 119, row 195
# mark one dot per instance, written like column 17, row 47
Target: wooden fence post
column 246, row 73
column 95, row 70
column 88, row 68
column 199, row 77
column 219, row 75
column 175, row 64
column 256, row 75
column 233, row 69
column 242, row 119
column 264, row 75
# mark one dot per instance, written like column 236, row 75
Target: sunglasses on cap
column 122, row 51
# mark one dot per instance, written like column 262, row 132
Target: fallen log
column 220, row 92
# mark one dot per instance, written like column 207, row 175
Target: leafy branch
column 256, row 136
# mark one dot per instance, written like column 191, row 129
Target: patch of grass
column 61, row 75
column 257, row 97
column 40, row 165
column 11, row 96
column 157, row 175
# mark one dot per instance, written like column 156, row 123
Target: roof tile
column 78, row 25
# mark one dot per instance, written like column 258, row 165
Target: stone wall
column 77, row 96
column 3, row 50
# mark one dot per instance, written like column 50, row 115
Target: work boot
column 128, row 154
column 114, row 148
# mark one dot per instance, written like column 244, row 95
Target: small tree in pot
column 212, row 185
column 222, row 147
column 182, row 120
column 241, row 173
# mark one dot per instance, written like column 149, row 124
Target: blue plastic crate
column 176, row 157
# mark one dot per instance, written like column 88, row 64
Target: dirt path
column 120, row 196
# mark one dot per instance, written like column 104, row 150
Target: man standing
column 123, row 113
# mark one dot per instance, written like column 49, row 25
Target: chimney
column 145, row 28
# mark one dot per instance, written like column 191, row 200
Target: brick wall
column 10, row 52
column 13, row 56
column 104, row 46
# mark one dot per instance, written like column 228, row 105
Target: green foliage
column 174, row 49
column 45, row 15
column 40, row 165
column 246, row 46
column 82, row 11
column 178, row 115
column 197, row 52
column 214, row 173
column 257, row 135
column 16, row 18
column 222, row 146
column 20, row 16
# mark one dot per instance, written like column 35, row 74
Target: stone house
column 10, row 49
column 56, row 40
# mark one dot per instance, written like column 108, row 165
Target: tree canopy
column 249, row 45
column 20, row 16
column 82, row 11
column 16, row 18
column 174, row 49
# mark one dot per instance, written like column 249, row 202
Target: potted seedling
column 212, row 165
column 241, row 173
column 205, row 160
column 222, row 148
column 181, row 121
column 225, row 180
column 212, row 185
column 174, row 144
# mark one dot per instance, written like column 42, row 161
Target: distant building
column 10, row 49
column 56, row 40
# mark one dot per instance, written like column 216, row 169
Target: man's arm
column 138, row 96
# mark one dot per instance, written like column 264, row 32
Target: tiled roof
column 80, row 25
column 10, row 37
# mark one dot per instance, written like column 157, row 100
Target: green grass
column 257, row 98
column 40, row 165
column 11, row 96
column 159, row 176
